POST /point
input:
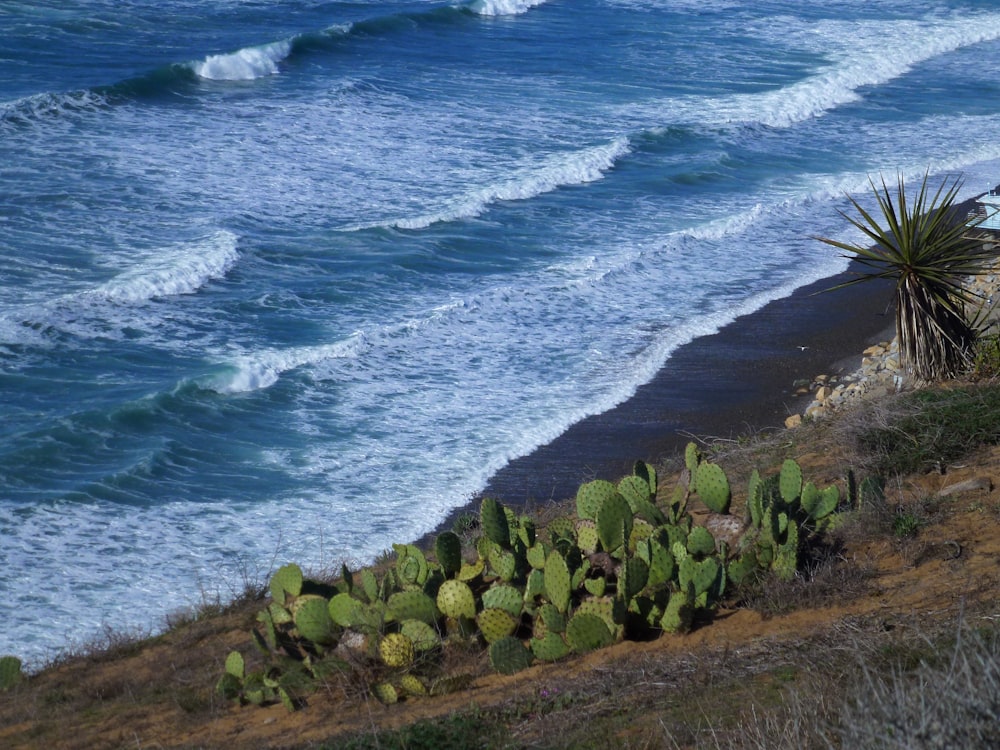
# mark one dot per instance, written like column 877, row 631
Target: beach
column 735, row 382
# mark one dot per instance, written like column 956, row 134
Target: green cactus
column 679, row 612
column 662, row 565
column 411, row 565
column 493, row 521
column 412, row 685
column 286, row 581
column 595, row 586
column 586, row 536
column 345, row 610
column 455, row 599
column 677, row 504
column 591, row 496
column 635, row 490
column 692, row 458
column 526, row 530
column 471, row 571
column 557, row 581
column 509, row 656
column 369, row 585
column 633, row 577
column 712, row 487
column 823, row 505
column 586, row 632
column 412, row 605
column 495, row 624
column 700, row 541
column 422, row 635
column 504, row 563
column 551, row 618
column 385, row 693
column 614, row 522
column 786, row 558
column 701, row 575
column 648, row 473
column 534, row 585
column 536, row 555
column 742, row 567
column 611, row 610
column 312, row 619
column 448, row 551
column 790, row 482
column 549, row 647
column 504, row 597
column 396, row 650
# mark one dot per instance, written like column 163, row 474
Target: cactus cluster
column 622, row 567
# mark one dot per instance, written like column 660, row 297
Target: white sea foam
column 259, row 370
column 50, row 105
column 503, row 7
column 556, row 171
column 245, row 64
column 864, row 55
column 178, row 270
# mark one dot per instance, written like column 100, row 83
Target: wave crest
column 246, row 64
column 503, row 7
column 184, row 272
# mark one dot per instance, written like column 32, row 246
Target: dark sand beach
column 738, row 380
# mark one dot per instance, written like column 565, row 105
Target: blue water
column 291, row 280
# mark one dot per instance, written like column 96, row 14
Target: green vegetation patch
column 934, row 427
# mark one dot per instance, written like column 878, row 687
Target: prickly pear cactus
column 591, row 496
column 455, row 599
column 509, row 656
column 396, row 650
column 493, row 520
column 700, row 541
column 448, row 551
column 614, row 522
column 507, row 598
column 712, row 487
column 550, row 647
column 495, row 624
column 286, row 582
column 679, row 612
column 385, row 693
column 557, row 581
column 345, row 610
column 412, row 605
column 790, row 482
column 423, row 636
column 586, row 632
column 312, row 619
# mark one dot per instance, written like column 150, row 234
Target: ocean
column 292, row 280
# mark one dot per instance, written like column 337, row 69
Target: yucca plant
column 927, row 250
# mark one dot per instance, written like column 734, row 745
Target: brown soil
column 159, row 693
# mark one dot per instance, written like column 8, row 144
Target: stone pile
column 880, row 373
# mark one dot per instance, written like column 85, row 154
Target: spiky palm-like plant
column 926, row 249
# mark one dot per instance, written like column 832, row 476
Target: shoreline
column 738, row 380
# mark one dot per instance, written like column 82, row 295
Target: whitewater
column 293, row 280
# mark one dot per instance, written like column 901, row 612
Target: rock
column 822, row 394
column 793, row 421
column 969, row 485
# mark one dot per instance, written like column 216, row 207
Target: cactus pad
column 495, row 624
column 424, row 637
column 679, row 613
column 509, row 656
column 286, row 581
column 412, row 605
column 448, row 551
column 493, row 521
column 396, row 650
column 591, row 496
column 550, row 647
column 345, row 610
column 312, row 619
column 503, row 597
column 455, row 599
column 712, row 487
column 586, row 536
column 411, row 685
column 634, row 576
column 700, row 542
column 700, row 574
column 385, row 693
column 586, row 632
column 557, row 581
column 614, row 522
column 790, row 481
